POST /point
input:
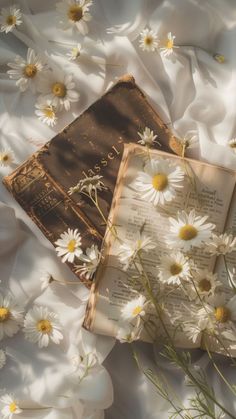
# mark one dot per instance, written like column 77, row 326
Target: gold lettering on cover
column 104, row 162
column 97, row 168
column 115, row 149
column 91, row 172
column 110, row 156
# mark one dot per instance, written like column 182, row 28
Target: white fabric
column 191, row 91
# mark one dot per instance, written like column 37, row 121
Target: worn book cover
column 91, row 145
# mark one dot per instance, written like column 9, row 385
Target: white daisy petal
column 11, row 316
column 10, row 18
column 74, row 14
column 10, row 406
column 148, row 40
column 69, row 245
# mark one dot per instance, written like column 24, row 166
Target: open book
column 206, row 188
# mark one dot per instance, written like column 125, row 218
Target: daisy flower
column 128, row 333
column 148, row 40
column 128, row 250
column 42, row 326
column 11, row 316
column 3, row 358
column 188, row 230
column 189, row 141
column 91, row 261
column 147, row 137
column 46, row 112
column 232, row 144
column 174, row 269
column 45, row 280
column 158, row 181
column 134, row 308
column 221, row 244
column 27, row 72
column 74, row 14
column 59, row 90
column 88, row 185
column 10, row 406
column 75, row 52
column 68, row 245
column 220, row 58
column 168, row 46
column 205, row 284
column 10, row 18
column 7, row 157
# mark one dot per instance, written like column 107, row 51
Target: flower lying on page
column 27, row 73
column 232, row 144
column 46, row 112
column 158, row 181
column 59, row 89
column 7, row 157
column 148, row 40
column 10, row 406
column 88, row 185
column 167, row 46
column 91, row 261
column 11, row 316
column 147, row 137
column 188, row 230
column 174, row 268
column 74, row 14
column 221, row 244
column 3, row 358
column 42, row 326
column 10, row 18
column 134, row 308
column 204, row 284
column 69, row 245
column 128, row 251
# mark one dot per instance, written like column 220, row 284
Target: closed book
column 91, row 145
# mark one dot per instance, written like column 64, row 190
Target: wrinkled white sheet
column 191, row 91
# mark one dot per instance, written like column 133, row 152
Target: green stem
column 228, row 274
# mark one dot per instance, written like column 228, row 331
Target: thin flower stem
column 228, row 274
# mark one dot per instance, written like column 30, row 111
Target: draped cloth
column 193, row 93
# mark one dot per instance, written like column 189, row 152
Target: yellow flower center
column 204, row 285
column 75, row 13
column 30, row 70
column 137, row 310
column 5, row 157
column 160, row 181
column 71, row 245
column 169, row 44
column 59, row 89
column 175, row 269
column 44, row 326
column 11, row 20
column 148, row 40
column 12, row 407
column 187, row 232
column 233, row 145
column 222, row 314
column 49, row 112
column 4, row 314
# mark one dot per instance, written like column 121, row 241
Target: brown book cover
column 91, row 145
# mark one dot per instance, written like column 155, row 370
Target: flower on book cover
column 89, row 185
column 128, row 251
column 204, row 284
column 148, row 40
column 128, row 332
column 42, row 326
column 69, row 245
column 7, row 157
column 167, row 46
column 134, row 308
column 3, row 358
column 11, row 316
column 10, row 406
column 46, row 111
column 158, row 181
column 188, row 230
column 28, row 73
column 147, row 137
column 91, row 261
column 232, row 144
column 221, row 244
column 74, row 14
column 59, row 89
column 10, row 18
column 174, row 268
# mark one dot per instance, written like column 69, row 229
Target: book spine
column 48, row 206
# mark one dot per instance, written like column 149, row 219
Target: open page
column 203, row 189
